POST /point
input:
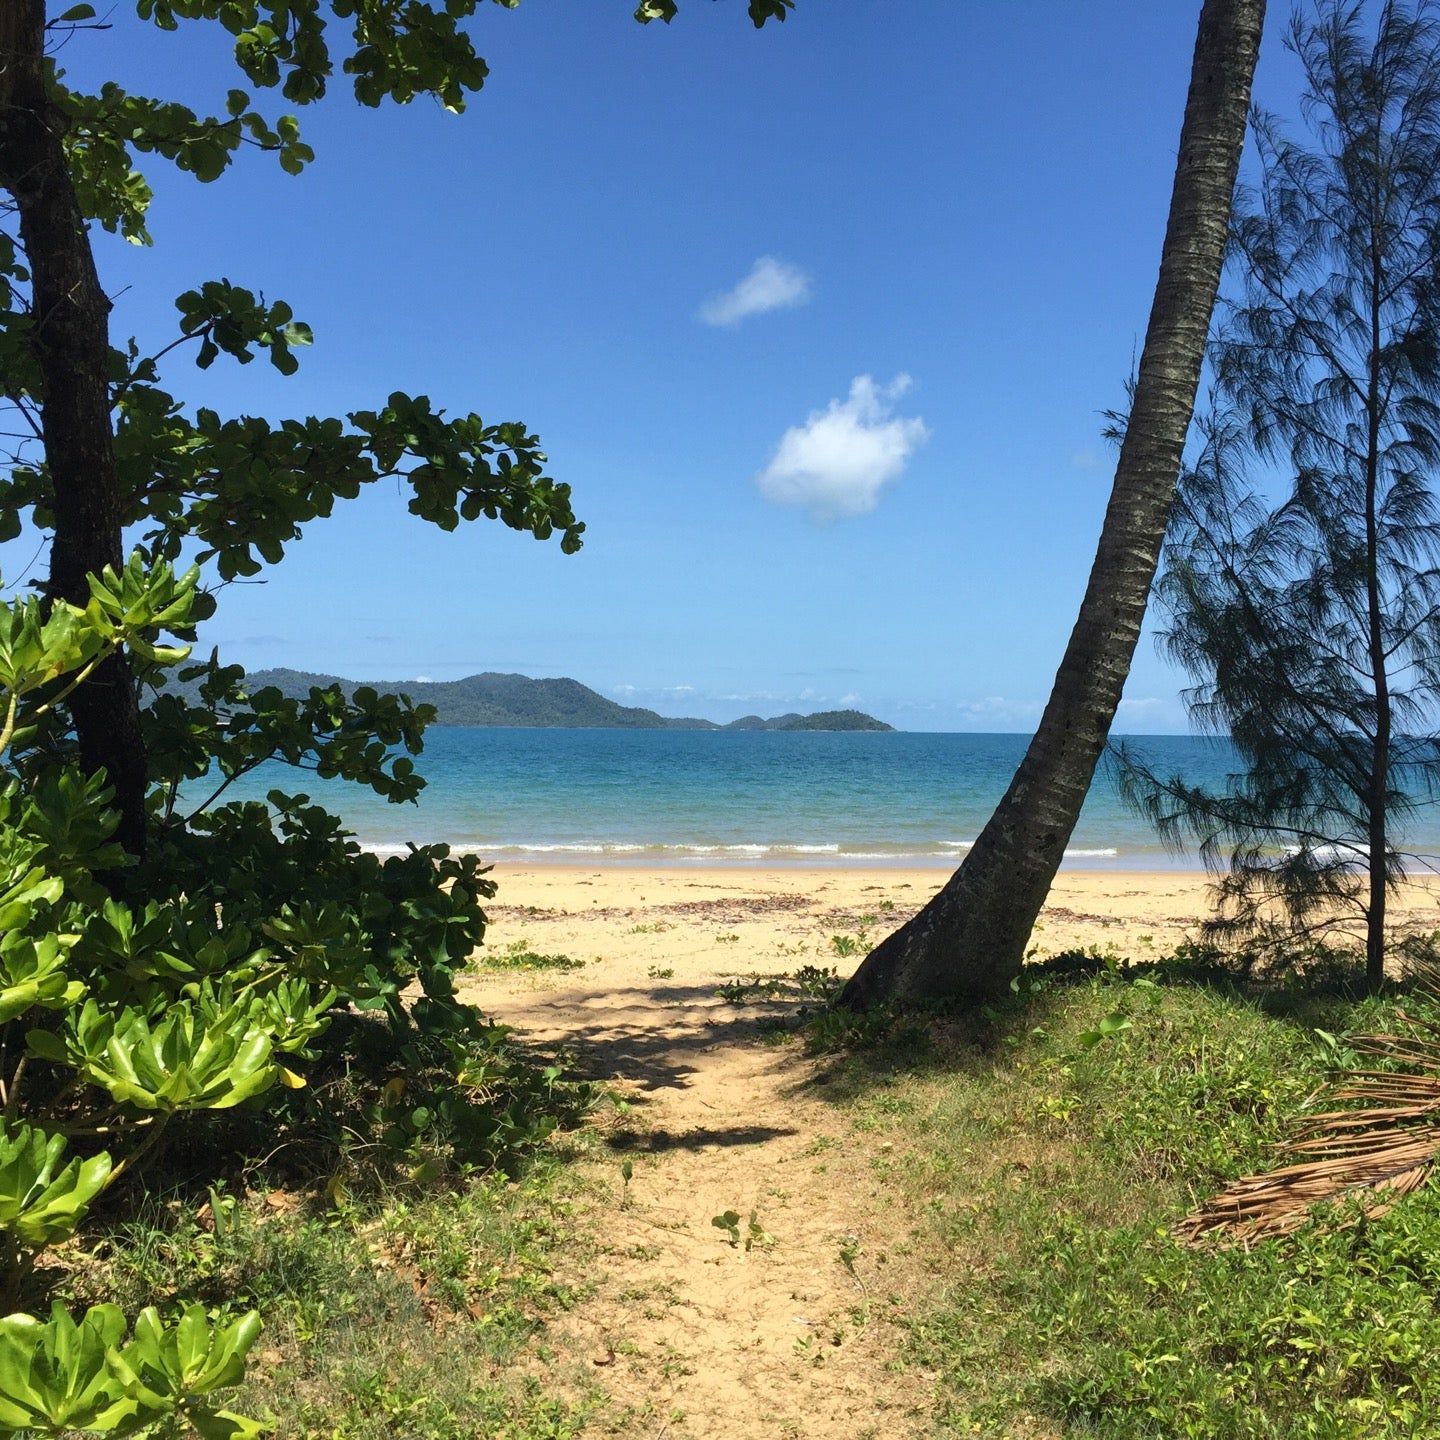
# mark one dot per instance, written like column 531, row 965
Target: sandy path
column 694, row 1336
column 691, row 1336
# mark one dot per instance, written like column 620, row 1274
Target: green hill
column 821, row 720
column 496, row 699
column 832, row 720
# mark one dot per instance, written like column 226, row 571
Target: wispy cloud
column 1160, row 714
column 771, row 285
column 998, row 709
column 653, row 691
column 840, row 459
column 663, row 694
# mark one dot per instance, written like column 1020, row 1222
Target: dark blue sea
column 739, row 797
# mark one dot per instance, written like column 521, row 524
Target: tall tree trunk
column 1378, row 800
column 969, row 942
column 72, row 349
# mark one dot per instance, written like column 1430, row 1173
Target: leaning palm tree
column 968, row 943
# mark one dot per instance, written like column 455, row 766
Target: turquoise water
column 733, row 797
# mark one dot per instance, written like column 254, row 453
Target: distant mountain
column 495, row 699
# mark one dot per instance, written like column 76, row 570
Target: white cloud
column 1152, row 714
column 771, row 285
column 839, row 460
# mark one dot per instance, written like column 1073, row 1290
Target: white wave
column 539, row 849
column 749, row 850
column 1341, row 850
column 1099, row 852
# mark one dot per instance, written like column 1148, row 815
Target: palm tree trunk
column 969, row 942
column 72, row 348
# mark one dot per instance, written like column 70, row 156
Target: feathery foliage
column 1310, row 620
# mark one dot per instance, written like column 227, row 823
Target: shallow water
column 742, row 797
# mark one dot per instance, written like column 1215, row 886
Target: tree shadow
column 658, row 1140
column 650, row 1037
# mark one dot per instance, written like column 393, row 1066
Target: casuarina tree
column 969, row 942
column 1305, row 604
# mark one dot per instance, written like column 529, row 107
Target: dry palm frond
column 1380, row 1142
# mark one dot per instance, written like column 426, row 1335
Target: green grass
column 519, row 956
column 1046, row 1157
column 402, row 1316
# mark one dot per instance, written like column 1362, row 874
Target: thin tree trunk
column 1378, row 799
column 72, row 349
column 969, row 942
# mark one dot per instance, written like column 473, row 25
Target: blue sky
column 882, row 491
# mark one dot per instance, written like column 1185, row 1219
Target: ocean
column 697, row 797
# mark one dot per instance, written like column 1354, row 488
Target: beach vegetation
column 754, row 987
column 813, row 983
column 519, row 956
column 1307, row 612
column 1048, row 1177
column 969, row 942
column 185, row 1037
column 754, row 1233
column 197, row 991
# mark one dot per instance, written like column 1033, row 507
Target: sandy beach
column 705, row 922
column 718, row 1119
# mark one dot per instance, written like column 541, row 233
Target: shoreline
column 760, row 858
column 756, row 917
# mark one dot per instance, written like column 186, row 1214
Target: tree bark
column 1378, row 799
column 969, row 942
column 72, row 348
